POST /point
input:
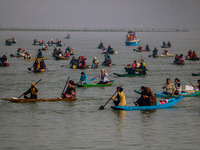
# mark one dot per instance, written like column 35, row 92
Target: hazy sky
column 100, row 13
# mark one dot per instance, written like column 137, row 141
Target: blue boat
column 159, row 94
column 131, row 39
column 160, row 105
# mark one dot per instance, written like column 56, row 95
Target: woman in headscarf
column 70, row 91
column 104, row 77
column 147, row 97
column 32, row 91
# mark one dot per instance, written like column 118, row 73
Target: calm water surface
column 79, row 124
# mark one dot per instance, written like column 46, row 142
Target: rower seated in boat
column 36, row 65
column 32, row 91
column 169, row 44
column 142, row 67
column 107, row 60
column 170, row 88
column 70, row 91
column 42, row 65
column 84, row 78
column 73, row 63
column 95, row 63
column 190, row 54
column 179, row 59
column 155, row 52
column 140, row 48
column 82, row 62
column 104, row 77
column 194, row 55
column 147, row 47
column 121, row 99
column 147, row 97
column 165, row 52
column 3, row 59
column 133, row 68
column 198, row 86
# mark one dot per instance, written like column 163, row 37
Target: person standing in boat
column 70, row 91
column 147, row 97
column 104, row 77
column 170, row 88
column 121, row 99
column 33, row 91
column 177, row 86
column 84, row 78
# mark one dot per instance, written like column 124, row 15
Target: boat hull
column 96, row 84
column 159, row 94
column 170, row 103
column 127, row 75
column 169, row 55
column 4, row 64
column 35, row 100
column 132, row 43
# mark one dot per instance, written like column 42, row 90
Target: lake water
column 79, row 124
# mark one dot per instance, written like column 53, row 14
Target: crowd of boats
column 148, row 98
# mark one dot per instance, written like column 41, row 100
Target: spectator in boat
column 121, row 99
column 190, row 54
column 142, row 67
column 3, row 59
column 180, row 59
column 155, row 52
column 104, row 77
column 95, row 63
column 176, row 58
column 59, row 52
column 140, row 48
column 166, row 52
column 177, row 86
column 194, row 55
column 42, row 64
column 107, row 60
column 133, row 68
column 33, row 91
column 147, row 97
column 39, row 55
column 70, row 91
column 73, row 62
column 170, row 88
column 36, row 65
column 84, row 78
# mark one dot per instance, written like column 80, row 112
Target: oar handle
column 65, row 85
column 30, row 88
column 192, row 84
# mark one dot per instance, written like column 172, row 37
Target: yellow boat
column 36, row 58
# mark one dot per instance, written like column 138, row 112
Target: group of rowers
column 140, row 48
column 168, row 44
column 39, row 65
column 42, row 42
column 192, row 55
column 69, row 51
column 136, row 67
column 3, row 59
column 109, row 50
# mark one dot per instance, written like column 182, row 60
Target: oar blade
column 101, row 107
column 92, row 79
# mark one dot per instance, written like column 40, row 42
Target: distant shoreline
column 94, row 30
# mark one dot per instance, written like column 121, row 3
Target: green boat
column 128, row 75
column 96, row 84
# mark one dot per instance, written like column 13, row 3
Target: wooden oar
column 65, row 85
column 192, row 84
column 29, row 89
column 30, row 68
column 102, row 106
column 99, row 75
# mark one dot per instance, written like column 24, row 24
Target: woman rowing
column 155, row 52
column 147, row 97
column 170, row 88
column 84, row 78
column 104, row 77
column 73, row 63
column 32, row 91
column 70, row 91
column 121, row 99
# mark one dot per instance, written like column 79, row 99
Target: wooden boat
column 105, row 64
column 142, row 50
column 4, row 64
column 165, row 46
column 96, row 84
column 35, row 100
column 60, row 57
column 169, row 55
column 159, row 94
column 186, row 58
column 177, row 63
column 160, row 105
column 128, row 75
column 39, row 71
column 35, row 58
column 196, row 74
